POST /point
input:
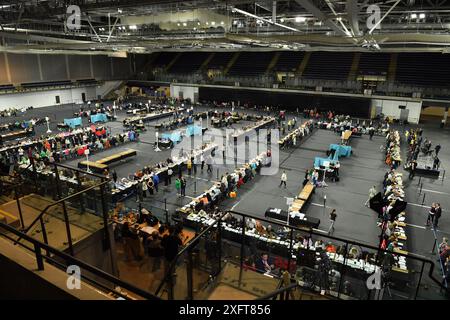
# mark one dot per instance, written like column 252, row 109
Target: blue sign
column 74, row 122
column 99, row 117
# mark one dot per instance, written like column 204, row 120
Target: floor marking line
column 439, row 192
column 423, row 206
column 415, row 226
column 234, row 206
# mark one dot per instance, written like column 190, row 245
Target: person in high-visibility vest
column 178, row 186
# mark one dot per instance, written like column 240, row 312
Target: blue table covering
column 341, row 151
column 193, row 130
column 74, row 122
column 174, row 136
column 99, row 117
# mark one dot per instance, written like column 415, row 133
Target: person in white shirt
column 372, row 193
column 283, row 179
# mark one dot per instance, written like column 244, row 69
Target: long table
column 214, row 191
column 146, row 118
column 123, row 190
column 261, row 124
column 16, row 135
column 294, row 219
column 102, row 164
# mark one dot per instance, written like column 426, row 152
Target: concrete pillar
column 445, row 116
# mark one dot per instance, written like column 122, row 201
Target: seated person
column 264, row 263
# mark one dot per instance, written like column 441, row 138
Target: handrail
column 59, row 201
column 273, row 294
column 192, row 243
column 440, row 260
column 312, row 232
column 38, row 245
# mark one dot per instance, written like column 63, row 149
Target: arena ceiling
column 117, row 27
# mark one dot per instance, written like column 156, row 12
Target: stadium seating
column 328, row 65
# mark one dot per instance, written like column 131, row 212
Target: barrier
column 99, row 117
column 73, row 122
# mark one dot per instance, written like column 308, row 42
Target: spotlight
column 300, row 19
column 213, row 23
column 413, row 16
column 282, row 20
column 184, row 24
column 133, row 27
column 422, row 16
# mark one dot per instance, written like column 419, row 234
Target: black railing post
column 342, row 270
column 19, row 208
column 43, row 230
column 420, row 280
column 39, row 259
column 34, row 174
column 423, row 199
column 291, row 245
column 189, row 274
column 67, row 223
column 66, row 216
column 219, row 244
column 80, row 188
column 242, row 250
column 105, row 216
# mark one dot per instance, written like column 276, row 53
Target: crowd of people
column 417, row 146
column 61, row 147
column 12, row 112
column 20, row 125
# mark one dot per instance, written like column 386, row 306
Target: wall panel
column 53, row 67
column 79, row 67
column 23, row 68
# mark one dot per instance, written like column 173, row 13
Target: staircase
column 392, row 67
column 273, row 62
column 246, row 286
column 354, row 68
column 81, row 224
column 231, row 63
column 303, row 63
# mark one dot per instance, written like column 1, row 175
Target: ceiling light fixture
column 282, row 20
column 413, row 16
column 300, row 19
column 213, row 22
column 133, row 27
column 422, row 16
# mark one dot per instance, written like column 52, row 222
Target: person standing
column 372, row 193
column 183, row 187
column 178, row 186
column 114, row 176
column 437, row 148
column 431, row 214
column 283, row 179
column 202, row 160
column 209, row 164
column 144, row 188
column 436, row 163
column 171, row 244
column 333, row 216
column 371, row 132
column 139, row 192
column 169, row 175
column 437, row 214
column 412, row 172
column 189, row 166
